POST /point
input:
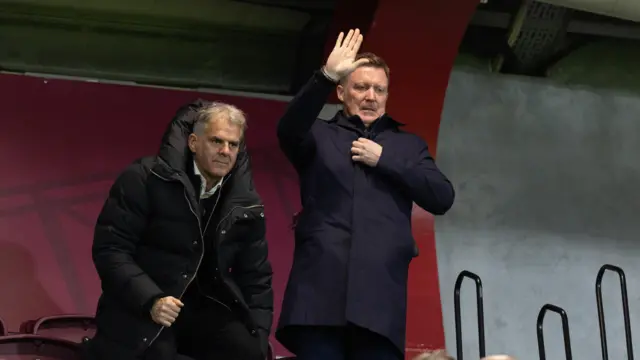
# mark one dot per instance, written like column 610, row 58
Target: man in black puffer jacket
column 180, row 249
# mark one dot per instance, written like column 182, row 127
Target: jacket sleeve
column 294, row 127
column 253, row 273
column 417, row 172
column 117, row 233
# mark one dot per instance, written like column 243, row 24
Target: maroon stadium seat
column 71, row 327
column 272, row 356
column 3, row 328
column 23, row 347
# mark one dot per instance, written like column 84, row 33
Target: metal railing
column 565, row 330
column 458, row 316
column 625, row 310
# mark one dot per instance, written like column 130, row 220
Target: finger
column 347, row 40
column 171, row 313
column 173, row 302
column 361, row 62
column 166, row 320
column 173, row 309
column 357, row 158
column 357, row 144
column 353, row 40
column 361, row 149
column 363, row 142
column 358, row 42
column 177, row 302
column 357, row 151
column 339, row 41
column 171, row 305
column 170, row 317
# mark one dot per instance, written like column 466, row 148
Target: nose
column 370, row 94
column 225, row 149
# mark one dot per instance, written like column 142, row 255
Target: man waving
column 359, row 176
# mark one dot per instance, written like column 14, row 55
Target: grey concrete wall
column 548, row 190
column 603, row 63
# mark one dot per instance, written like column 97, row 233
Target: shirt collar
column 203, row 183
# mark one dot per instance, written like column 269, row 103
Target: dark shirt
column 208, row 282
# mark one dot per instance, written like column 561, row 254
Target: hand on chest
column 347, row 151
column 366, row 151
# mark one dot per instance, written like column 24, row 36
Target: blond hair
column 374, row 61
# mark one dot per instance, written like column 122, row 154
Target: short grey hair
column 219, row 111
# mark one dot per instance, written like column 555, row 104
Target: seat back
column 23, row 347
column 3, row 328
column 76, row 328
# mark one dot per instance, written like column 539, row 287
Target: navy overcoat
column 353, row 240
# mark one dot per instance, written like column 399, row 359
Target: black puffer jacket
column 148, row 242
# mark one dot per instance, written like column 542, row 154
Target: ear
column 193, row 139
column 340, row 92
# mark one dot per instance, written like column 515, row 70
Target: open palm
column 341, row 62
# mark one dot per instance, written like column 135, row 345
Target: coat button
column 184, row 276
column 261, row 214
column 253, row 331
column 195, row 242
column 144, row 340
column 245, row 215
column 235, row 301
column 223, row 232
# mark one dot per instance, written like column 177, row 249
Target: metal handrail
column 565, row 330
column 625, row 310
column 458, row 317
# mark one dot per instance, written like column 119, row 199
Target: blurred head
column 443, row 355
column 364, row 92
column 215, row 141
column 435, row 355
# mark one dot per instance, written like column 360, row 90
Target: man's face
column 216, row 150
column 364, row 93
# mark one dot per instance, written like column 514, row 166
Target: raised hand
column 166, row 310
column 341, row 62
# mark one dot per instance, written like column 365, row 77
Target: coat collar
column 385, row 122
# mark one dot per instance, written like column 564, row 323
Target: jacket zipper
column 199, row 260
column 201, row 253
